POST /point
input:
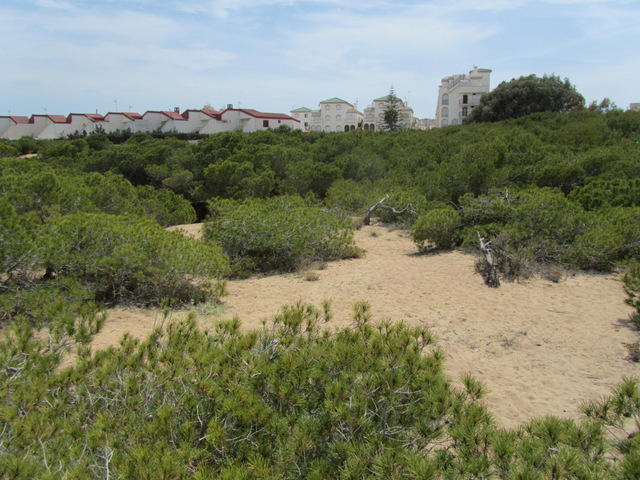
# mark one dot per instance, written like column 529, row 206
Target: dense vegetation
column 526, row 95
column 81, row 226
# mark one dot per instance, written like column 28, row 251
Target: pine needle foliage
column 293, row 399
column 277, row 234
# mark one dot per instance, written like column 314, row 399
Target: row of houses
column 337, row 115
column 205, row 121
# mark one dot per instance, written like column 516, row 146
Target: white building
column 11, row 127
column 458, row 95
column 334, row 115
column 374, row 114
column 123, row 121
column 303, row 115
column 205, row 121
column 249, row 120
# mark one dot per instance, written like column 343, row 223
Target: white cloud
column 55, row 4
column 334, row 40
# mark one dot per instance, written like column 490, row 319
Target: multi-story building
column 374, row 114
column 303, row 115
column 458, row 95
column 634, row 106
column 334, row 115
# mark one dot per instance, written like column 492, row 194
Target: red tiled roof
column 53, row 118
column 206, row 111
column 257, row 114
column 172, row 115
column 94, row 117
column 129, row 115
column 16, row 118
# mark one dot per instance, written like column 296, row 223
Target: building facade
column 334, row 115
column 205, row 121
column 458, row 95
column 374, row 114
column 337, row 115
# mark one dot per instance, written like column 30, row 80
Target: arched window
column 445, row 123
column 353, row 127
column 346, row 128
column 366, row 126
column 445, row 99
column 445, row 111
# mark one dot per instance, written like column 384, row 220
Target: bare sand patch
column 540, row 347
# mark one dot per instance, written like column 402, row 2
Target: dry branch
column 490, row 272
column 367, row 218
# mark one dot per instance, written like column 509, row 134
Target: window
column 327, row 107
column 265, row 123
column 445, row 123
column 445, row 99
column 465, row 99
column 338, row 107
column 445, row 111
column 465, row 111
column 454, row 121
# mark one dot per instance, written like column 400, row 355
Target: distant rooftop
column 334, row 100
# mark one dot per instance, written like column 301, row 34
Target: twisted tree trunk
column 490, row 272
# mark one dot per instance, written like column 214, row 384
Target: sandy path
column 540, row 347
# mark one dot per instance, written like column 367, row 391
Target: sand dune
column 540, row 347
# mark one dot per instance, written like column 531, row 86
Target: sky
column 83, row 56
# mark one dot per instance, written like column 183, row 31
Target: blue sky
column 64, row 56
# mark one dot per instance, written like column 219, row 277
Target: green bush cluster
column 294, row 399
column 125, row 259
column 539, row 225
column 278, row 234
column 81, row 224
column 438, row 229
column 33, row 185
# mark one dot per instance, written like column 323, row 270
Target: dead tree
column 489, row 271
column 367, row 218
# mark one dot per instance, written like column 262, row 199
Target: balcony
column 475, row 100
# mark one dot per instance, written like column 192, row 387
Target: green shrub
column 632, row 285
column 439, row 229
column 287, row 401
column 278, row 234
column 130, row 259
column 7, row 150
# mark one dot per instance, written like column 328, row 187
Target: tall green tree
column 527, row 95
column 391, row 118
